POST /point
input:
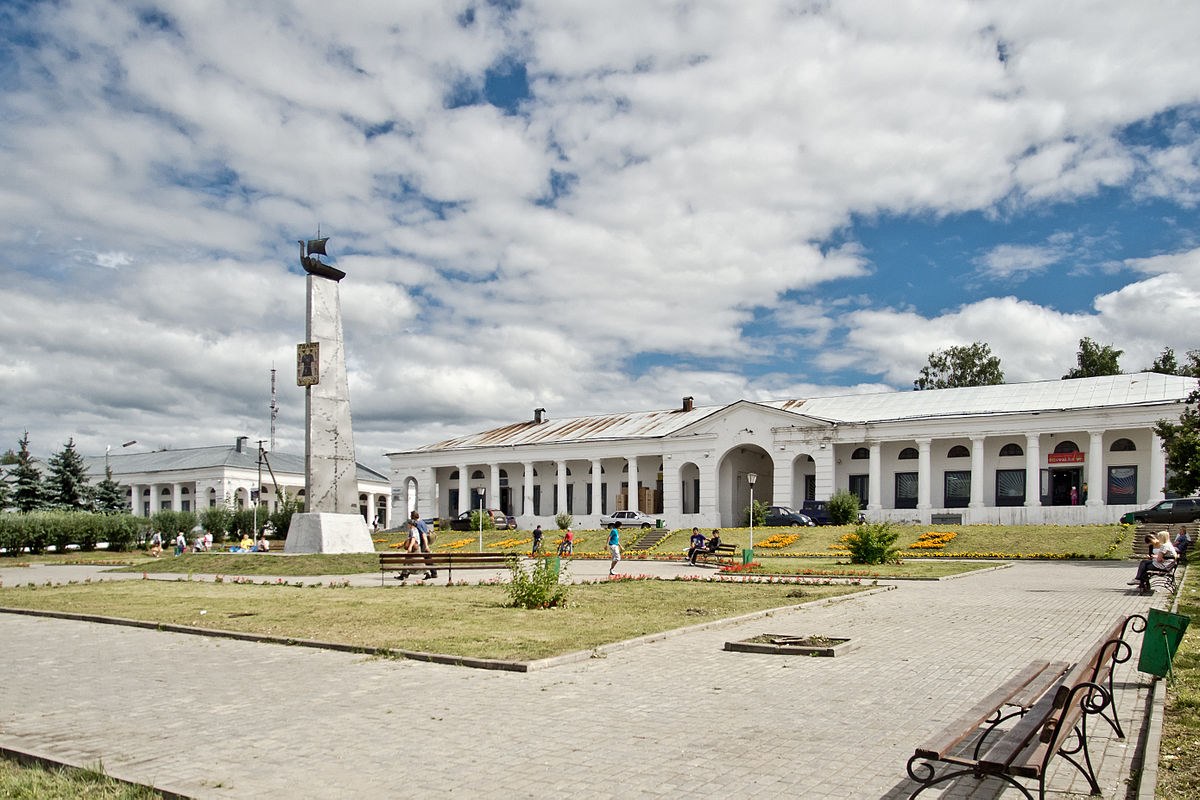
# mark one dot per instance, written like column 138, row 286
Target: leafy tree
column 1181, row 443
column 843, row 507
column 281, row 517
column 108, row 495
column 67, row 484
column 217, row 520
column 965, row 365
column 1095, row 360
column 1168, row 365
column 26, row 480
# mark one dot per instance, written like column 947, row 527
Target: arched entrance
column 733, row 485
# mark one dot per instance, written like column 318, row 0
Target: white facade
column 1007, row 454
column 193, row 479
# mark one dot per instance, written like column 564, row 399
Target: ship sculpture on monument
column 331, row 521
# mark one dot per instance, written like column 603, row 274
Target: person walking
column 614, row 547
column 425, row 539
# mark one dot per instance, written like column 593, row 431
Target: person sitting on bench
column 1182, row 543
column 709, row 547
column 695, row 545
column 1157, row 562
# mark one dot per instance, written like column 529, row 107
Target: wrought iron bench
column 722, row 551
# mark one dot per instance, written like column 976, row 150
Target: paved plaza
column 216, row 718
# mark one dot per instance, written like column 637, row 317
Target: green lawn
column 41, row 783
column 458, row 620
column 1179, row 766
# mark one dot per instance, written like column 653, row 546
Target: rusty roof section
column 629, row 425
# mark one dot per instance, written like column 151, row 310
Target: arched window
column 861, row 452
column 909, row 454
column 453, row 476
column 477, row 475
column 503, row 474
column 958, row 451
column 1066, row 446
column 1011, row 449
column 1123, row 446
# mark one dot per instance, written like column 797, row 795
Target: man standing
column 424, row 534
column 614, row 547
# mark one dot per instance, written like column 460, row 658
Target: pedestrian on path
column 614, row 547
column 425, row 539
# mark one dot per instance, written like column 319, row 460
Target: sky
column 578, row 206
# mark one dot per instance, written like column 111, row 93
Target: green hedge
column 37, row 530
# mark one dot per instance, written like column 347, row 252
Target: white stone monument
column 331, row 522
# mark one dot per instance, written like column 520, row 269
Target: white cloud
column 708, row 155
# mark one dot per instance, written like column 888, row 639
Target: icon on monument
column 308, row 364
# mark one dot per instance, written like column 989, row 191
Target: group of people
column 566, row 545
column 420, row 540
column 204, row 543
column 1162, row 555
column 699, row 545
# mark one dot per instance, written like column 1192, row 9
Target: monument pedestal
column 318, row 532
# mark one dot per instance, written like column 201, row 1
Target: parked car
column 627, row 519
column 502, row 521
column 1184, row 509
column 782, row 516
column 818, row 512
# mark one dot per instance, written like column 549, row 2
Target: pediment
column 745, row 413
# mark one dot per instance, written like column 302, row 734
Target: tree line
column 64, row 487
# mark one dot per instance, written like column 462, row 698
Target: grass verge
column 457, row 620
column 1179, row 767
column 822, row 567
column 65, row 783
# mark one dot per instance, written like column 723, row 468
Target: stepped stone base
column 328, row 533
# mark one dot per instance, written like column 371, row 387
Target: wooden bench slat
column 955, row 732
column 1016, row 740
column 1034, row 690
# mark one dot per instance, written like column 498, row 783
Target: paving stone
column 217, row 718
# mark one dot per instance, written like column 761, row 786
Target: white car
column 627, row 519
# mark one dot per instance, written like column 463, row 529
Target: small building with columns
column 1077, row 451
column 192, row 479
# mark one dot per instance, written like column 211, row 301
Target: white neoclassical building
column 192, row 479
column 1066, row 451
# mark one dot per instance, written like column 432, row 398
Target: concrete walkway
column 678, row 717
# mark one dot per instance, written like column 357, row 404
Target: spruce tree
column 109, row 497
column 26, row 479
column 67, row 484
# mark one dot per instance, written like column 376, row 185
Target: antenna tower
column 274, row 409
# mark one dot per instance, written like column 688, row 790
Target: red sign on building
column 1064, row 458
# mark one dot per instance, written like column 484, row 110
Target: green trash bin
column 747, row 555
column 555, row 565
column 658, row 523
column 1164, row 631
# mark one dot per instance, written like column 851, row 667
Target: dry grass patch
column 457, row 620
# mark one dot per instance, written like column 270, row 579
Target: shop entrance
column 1061, row 481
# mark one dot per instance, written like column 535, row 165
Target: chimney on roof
column 241, row 439
column 689, row 403
column 537, row 416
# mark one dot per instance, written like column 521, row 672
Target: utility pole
column 258, row 489
column 274, row 408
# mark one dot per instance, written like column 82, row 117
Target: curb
column 1151, row 740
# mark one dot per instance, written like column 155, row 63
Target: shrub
column 843, row 507
column 540, row 587
column 217, row 520
column 489, row 524
column 563, row 521
column 760, row 513
column 873, row 544
column 281, row 517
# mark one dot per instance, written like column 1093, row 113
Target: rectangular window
column 1010, row 487
column 570, row 498
column 906, row 490
column 695, row 495
column 537, row 500
column 858, row 486
column 958, row 488
column 1122, row 486
column 603, row 498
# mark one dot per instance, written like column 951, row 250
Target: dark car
column 502, row 521
column 782, row 516
column 818, row 512
column 1184, row 509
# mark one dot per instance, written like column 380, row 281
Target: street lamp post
column 482, row 495
column 752, row 477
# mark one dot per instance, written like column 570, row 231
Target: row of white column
column 560, row 484
column 1033, row 466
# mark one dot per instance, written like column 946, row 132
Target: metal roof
column 1109, row 391
column 207, row 458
